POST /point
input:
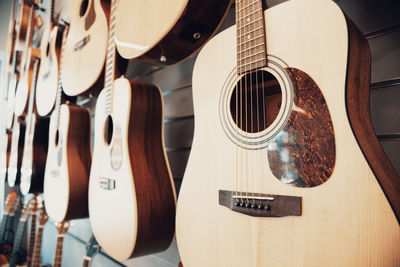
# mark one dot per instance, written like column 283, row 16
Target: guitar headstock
column 62, row 227
column 12, row 203
column 92, row 247
column 30, row 208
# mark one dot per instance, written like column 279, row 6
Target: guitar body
column 174, row 29
column 34, row 155
column 25, row 84
column 344, row 219
column 85, row 49
column 50, row 48
column 67, row 166
column 17, row 146
column 130, row 185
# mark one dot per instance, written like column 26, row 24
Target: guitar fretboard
column 32, row 235
column 250, row 35
column 59, row 248
column 110, row 59
column 37, row 252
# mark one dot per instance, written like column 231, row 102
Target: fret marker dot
column 248, row 19
column 248, row 36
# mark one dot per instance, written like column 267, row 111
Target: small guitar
column 284, row 166
column 18, row 254
column 85, row 49
column 174, row 29
column 50, row 48
column 62, row 228
column 37, row 251
column 35, row 146
column 68, row 159
column 92, row 248
column 129, row 167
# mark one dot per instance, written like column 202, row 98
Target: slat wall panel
column 176, row 81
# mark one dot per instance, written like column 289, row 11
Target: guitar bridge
column 261, row 205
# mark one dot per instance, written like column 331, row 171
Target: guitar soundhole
column 108, row 130
column 255, row 101
column 48, row 49
column 84, row 6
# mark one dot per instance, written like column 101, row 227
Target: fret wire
column 249, row 56
column 253, row 62
column 256, row 29
column 252, row 22
column 250, row 40
column 253, row 47
column 255, row 2
column 248, row 15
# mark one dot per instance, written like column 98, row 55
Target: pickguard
column 303, row 153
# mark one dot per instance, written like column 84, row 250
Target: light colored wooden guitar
column 50, row 47
column 85, row 49
column 37, row 252
column 129, row 167
column 68, row 159
column 35, row 145
column 174, row 29
column 281, row 171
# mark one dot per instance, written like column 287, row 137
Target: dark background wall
column 379, row 20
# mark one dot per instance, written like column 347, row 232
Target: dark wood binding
column 154, row 192
column 357, row 103
column 202, row 16
column 79, row 162
column 253, row 204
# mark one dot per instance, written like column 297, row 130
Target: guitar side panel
column 346, row 221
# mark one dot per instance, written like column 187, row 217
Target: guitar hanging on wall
column 37, row 251
column 68, row 157
column 129, row 166
column 62, row 228
column 281, row 171
column 181, row 28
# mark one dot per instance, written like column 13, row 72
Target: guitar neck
column 8, row 234
column 59, row 87
column 59, row 248
column 37, row 252
column 17, row 242
column 3, row 227
column 32, row 241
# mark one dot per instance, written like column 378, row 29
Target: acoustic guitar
column 50, row 47
column 37, row 251
column 85, row 49
column 174, row 29
column 18, row 254
column 35, row 145
column 285, row 169
column 68, row 158
column 129, row 167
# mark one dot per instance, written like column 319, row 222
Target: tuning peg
column 38, row 22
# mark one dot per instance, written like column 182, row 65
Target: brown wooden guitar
column 37, row 251
column 174, row 29
column 35, row 145
column 68, row 159
column 129, row 167
column 50, row 47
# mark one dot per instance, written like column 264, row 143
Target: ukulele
column 85, row 48
column 92, row 248
column 280, row 172
column 62, row 228
column 35, row 146
column 174, row 29
column 37, row 251
column 68, row 158
column 18, row 254
column 129, row 167
column 50, row 47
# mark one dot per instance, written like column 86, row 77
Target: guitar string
column 236, row 119
column 251, row 73
column 241, row 113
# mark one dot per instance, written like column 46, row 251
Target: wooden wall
column 379, row 20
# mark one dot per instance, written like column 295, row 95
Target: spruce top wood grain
column 307, row 149
column 166, row 32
